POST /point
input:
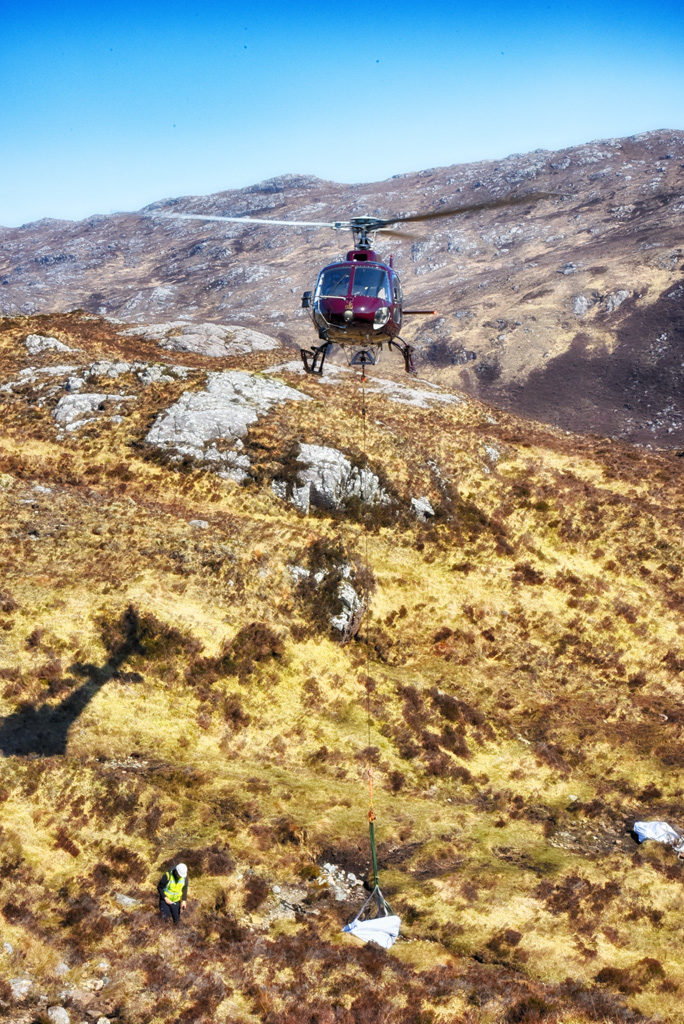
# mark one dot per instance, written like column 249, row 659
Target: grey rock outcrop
column 128, row 902
column 20, row 988
column 328, row 480
column 581, row 305
column 349, row 606
column 615, row 300
column 147, row 373
column 201, row 423
column 37, row 343
column 58, row 1015
column 423, row 508
column 76, row 410
column 343, row 885
column 207, row 339
column 347, row 621
column 420, row 398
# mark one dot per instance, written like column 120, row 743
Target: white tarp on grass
column 382, row 930
column 661, row 832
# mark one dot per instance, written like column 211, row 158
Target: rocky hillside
column 209, row 580
column 568, row 311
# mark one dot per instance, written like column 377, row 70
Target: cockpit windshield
column 334, row 281
column 371, row 282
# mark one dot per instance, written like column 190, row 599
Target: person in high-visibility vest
column 173, row 893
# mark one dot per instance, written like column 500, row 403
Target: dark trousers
column 169, row 911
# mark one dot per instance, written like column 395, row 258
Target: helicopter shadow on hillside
column 44, row 731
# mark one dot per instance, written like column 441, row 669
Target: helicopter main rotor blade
column 252, row 220
column 398, row 234
column 453, row 211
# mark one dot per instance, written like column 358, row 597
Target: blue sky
column 110, row 107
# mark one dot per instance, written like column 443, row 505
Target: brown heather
column 169, row 693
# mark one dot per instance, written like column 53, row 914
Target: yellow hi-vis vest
column 174, row 889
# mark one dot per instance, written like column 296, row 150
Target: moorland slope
column 184, row 674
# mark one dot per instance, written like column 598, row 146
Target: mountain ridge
column 569, row 310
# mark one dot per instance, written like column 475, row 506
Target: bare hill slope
column 186, row 664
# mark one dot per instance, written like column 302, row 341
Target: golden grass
column 523, row 652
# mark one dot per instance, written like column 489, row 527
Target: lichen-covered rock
column 615, row 300
column 20, row 988
column 58, row 1015
column 75, row 410
column 205, row 338
column 37, row 343
column 345, row 610
column 125, row 901
column 328, row 480
column 200, row 421
column 346, row 622
column 423, row 508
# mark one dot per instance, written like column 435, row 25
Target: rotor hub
column 363, row 230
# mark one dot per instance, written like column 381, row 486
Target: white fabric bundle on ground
column 382, row 930
column 661, row 832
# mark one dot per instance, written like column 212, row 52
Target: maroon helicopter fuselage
column 357, row 301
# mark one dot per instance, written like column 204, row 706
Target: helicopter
column 357, row 302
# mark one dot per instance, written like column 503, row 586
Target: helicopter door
column 397, row 299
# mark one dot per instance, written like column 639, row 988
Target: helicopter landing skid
column 313, row 358
column 406, row 351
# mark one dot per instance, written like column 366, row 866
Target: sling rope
column 382, row 905
column 383, row 929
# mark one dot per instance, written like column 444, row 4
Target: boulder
column 615, row 300
column 37, row 343
column 349, row 606
column 422, row 508
column 74, row 410
column 124, row 901
column 58, row 1015
column 20, row 988
column 328, row 480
